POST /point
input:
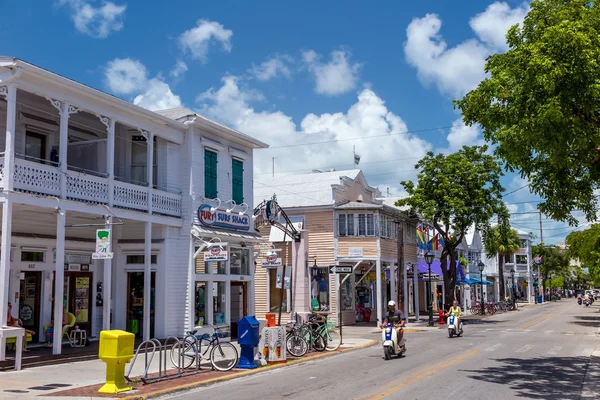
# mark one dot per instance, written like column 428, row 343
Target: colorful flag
column 421, row 243
column 538, row 260
column 441, row 241
column 433, row 243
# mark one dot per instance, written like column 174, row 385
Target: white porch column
column 107, row 289
column 110, row 155
column 10, row 93
column 301, row 298
column 191, row 290
column 416, row 289
column 209, row 302
column 379, row 290
column 7, row 208
column 150, row 167
column 65, row 110
column 393, row 276
column 59, row 279
column 147, row 278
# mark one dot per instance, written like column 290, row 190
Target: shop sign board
column 222, row 219
column 103, row 249
column 215, row 253
column 355, row 252
column 271, row 261
column 340, row 269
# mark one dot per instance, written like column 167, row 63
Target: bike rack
column 145, row 344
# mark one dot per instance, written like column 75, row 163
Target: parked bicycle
column 295, row 343
column 331, row 335
column 223, row 356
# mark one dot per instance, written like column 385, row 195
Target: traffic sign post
column 339, row 270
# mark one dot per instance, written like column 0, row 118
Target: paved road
column 539, row 352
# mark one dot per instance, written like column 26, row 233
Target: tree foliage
column 455, row 192
column 585, row 247
column 541, row 104
column 501, row 240
column 554, row 262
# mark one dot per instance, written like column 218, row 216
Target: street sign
column 339, row 269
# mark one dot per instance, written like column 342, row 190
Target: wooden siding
column 320, row 237
column 389, row 249
column 368, row 244
column 352, row 193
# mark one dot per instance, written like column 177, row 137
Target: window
column 35, row 147
column 521, row 259
column 140, row 259
column 523, row 244
column 342, row 224
column 319, row 289
column 350, row 220
column 139, row 151
column 219, row 302
column 508, row 258
column 275, row 293
column 384, row 226
column 32, row 256
column 370, row 225
column 239, row 263
column 237, row 181
column 362, row 225
column 210, row 174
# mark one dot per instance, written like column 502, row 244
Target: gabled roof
column 183, row 114
column 305, row 190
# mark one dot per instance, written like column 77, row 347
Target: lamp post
column 481, row 267
column 512, row 283
column 429, row 259
column 550, row 287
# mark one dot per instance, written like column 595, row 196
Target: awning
column 203, row 233
column 277, row 235
column 477, row 282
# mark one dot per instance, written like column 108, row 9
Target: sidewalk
column 58, row 382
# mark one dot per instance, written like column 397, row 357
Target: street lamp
column 481, row 266
column 429, row 259
column 550, row 287
column 512, row 283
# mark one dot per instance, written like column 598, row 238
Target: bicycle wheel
column 224, row 356
column 318, row 342
column 183, row 358
column 516, row 306
column 296, row 345
column 334, row 339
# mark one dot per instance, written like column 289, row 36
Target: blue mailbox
column 248, row 338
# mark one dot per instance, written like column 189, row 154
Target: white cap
column 392, row 303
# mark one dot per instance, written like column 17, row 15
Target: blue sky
column 288, row 74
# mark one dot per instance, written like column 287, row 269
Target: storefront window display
column 240, row 262
column 319, row 289
column 275, row 293
column 218, row 267
column 346, row 302
column 200, row 303
column 219, row 302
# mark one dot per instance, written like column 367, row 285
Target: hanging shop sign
column 215, row 253
column 103, row 250
column 271, row 261
column 223, row 219
column 355, row 252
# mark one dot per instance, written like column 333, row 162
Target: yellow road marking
column 423, row 375
column 537, row 321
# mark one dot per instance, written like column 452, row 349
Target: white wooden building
column 73, row 158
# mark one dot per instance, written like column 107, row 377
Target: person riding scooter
column 397, row 318
column 457, row 312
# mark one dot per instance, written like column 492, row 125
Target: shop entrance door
column 239, row 304
column 77, row 297
column 29, row 302
column 135, row 303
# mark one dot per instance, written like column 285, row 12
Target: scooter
column 390, row 339
column 587, row 302
column 453, row 327
column 579, row 300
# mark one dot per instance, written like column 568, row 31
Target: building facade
column 76, row 160
column 347, row 224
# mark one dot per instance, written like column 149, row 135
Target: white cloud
column 335, row 77
column 198, row 39
column 98, row 22
column 492, row 25
column 273, row 67
column 231, row 104
column 158, row 96
column 125, row 76
column 462, row 135
column 179, row 69
column 459, row 69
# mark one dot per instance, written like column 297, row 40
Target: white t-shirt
column 315, row 288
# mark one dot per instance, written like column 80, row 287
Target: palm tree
column 503, row 241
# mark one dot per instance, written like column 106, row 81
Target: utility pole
column 541, row 230
column 273, row 166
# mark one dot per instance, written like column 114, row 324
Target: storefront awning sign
column 223, row 219
column 215, row 253
column 103, row 249
column 271, row 260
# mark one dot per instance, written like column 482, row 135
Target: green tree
column 503, row 241
column 585, row 247
column 540, row 104
column 554, row 261
column 454, row 192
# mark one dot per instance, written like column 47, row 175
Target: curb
column 207, row 382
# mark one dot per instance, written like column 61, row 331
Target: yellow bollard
column 116, row 350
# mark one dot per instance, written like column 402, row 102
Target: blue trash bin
column 248, row 338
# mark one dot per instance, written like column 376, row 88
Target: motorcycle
column 587, row 302
column 390, row 340
column 579, row 301
column 453, row 327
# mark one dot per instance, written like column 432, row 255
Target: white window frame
column 355, row 222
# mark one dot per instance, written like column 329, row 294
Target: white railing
column 36, row 178
column 166, row 203
column 87, row 187
column 33, row 177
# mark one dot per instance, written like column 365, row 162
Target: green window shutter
column 210, row 174
column 237, row 169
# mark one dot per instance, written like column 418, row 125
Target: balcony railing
column 33, row 177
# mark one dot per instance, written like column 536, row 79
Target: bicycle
column 314, row 339
column 332, row 336
column 222, row 356
column 295, row 343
